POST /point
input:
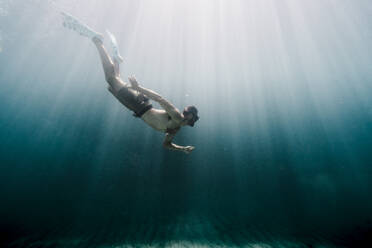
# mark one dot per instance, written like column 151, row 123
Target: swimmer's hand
column 188, row 149
column 133, row 82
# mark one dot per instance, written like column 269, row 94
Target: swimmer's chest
column 172, row 126
column 161, row 121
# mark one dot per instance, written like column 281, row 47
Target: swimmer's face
column 190, row 114
column 191, row 118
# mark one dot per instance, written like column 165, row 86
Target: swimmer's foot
column 115, row 48
column 72, row 23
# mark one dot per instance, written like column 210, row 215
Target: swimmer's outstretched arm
column 168, row 144
column 171, row 110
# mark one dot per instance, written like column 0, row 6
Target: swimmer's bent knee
column 115, row 83
column 110, row 78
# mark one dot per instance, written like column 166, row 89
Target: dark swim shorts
column 133, row 100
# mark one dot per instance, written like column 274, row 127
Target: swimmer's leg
column 110, row 67
column 116, row 57
column 115, row 47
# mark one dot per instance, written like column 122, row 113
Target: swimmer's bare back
column 136, row 98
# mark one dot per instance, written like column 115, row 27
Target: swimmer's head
column 191, row 114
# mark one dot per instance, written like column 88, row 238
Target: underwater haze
column 283, row 146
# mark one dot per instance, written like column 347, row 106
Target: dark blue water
column 283, row 146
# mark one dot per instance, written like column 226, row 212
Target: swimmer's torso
column 160, row 120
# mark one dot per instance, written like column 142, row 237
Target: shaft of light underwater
column 283, row 145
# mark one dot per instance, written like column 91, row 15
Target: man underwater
column 136, row 98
